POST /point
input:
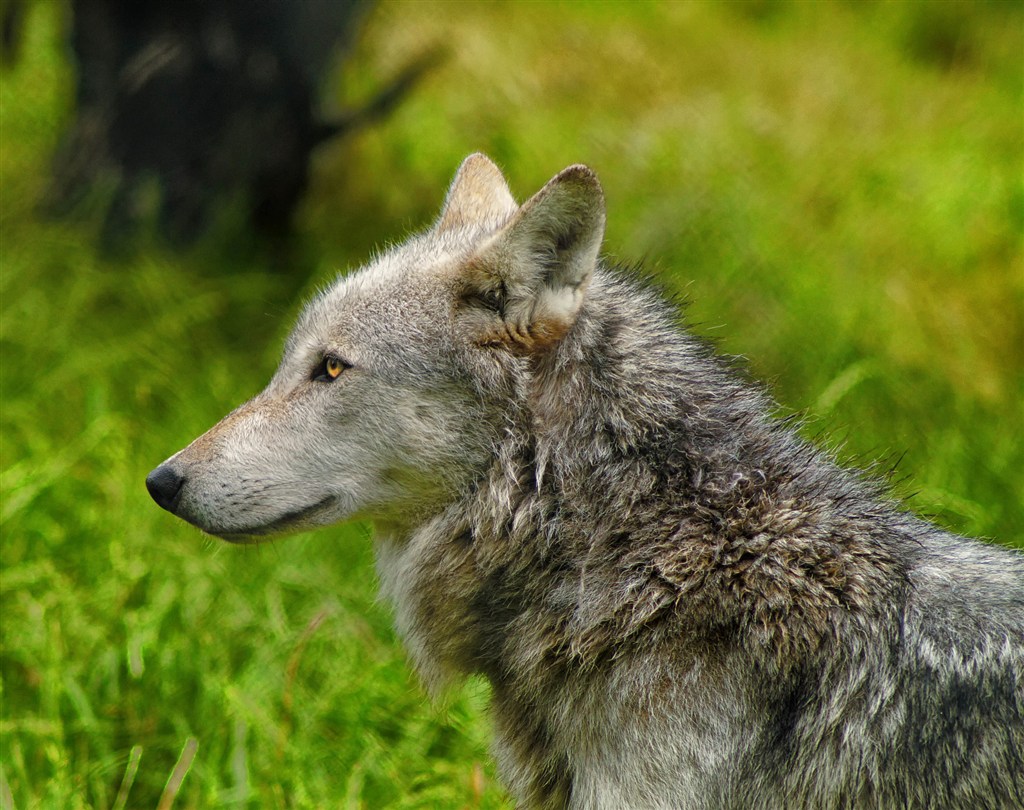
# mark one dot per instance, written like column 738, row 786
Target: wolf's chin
column 288, row 523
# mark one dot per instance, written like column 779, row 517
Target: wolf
column 677, row 600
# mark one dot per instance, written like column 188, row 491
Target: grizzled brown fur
column 678, row 602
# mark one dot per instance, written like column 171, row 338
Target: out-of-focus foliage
column 836, row 187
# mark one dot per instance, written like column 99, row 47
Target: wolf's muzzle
column 164, row 485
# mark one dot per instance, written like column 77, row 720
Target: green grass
column 837, row 188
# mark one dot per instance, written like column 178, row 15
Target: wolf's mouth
column 287, row 521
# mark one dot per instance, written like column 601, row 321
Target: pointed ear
column 478, row 194
column 534, row 273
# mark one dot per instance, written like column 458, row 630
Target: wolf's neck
column 628, row 391
column 598, row 454
column 636, row 487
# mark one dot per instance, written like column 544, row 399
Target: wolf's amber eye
column 330, row 369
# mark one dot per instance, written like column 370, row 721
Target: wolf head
column 389, row 400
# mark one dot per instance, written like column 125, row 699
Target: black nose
column 164, row 484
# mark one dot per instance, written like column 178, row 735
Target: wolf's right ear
column 478, row 194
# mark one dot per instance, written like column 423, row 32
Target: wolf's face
column 390, row 397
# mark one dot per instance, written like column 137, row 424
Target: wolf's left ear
column 538, row 266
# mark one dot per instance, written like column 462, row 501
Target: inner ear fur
column 541, row 262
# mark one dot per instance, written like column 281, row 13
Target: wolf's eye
column 329, row 369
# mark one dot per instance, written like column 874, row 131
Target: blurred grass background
column 836, row 187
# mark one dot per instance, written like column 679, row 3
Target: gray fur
column 678, row 601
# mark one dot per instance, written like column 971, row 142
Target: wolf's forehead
column 408, row 273
column 403, row 289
